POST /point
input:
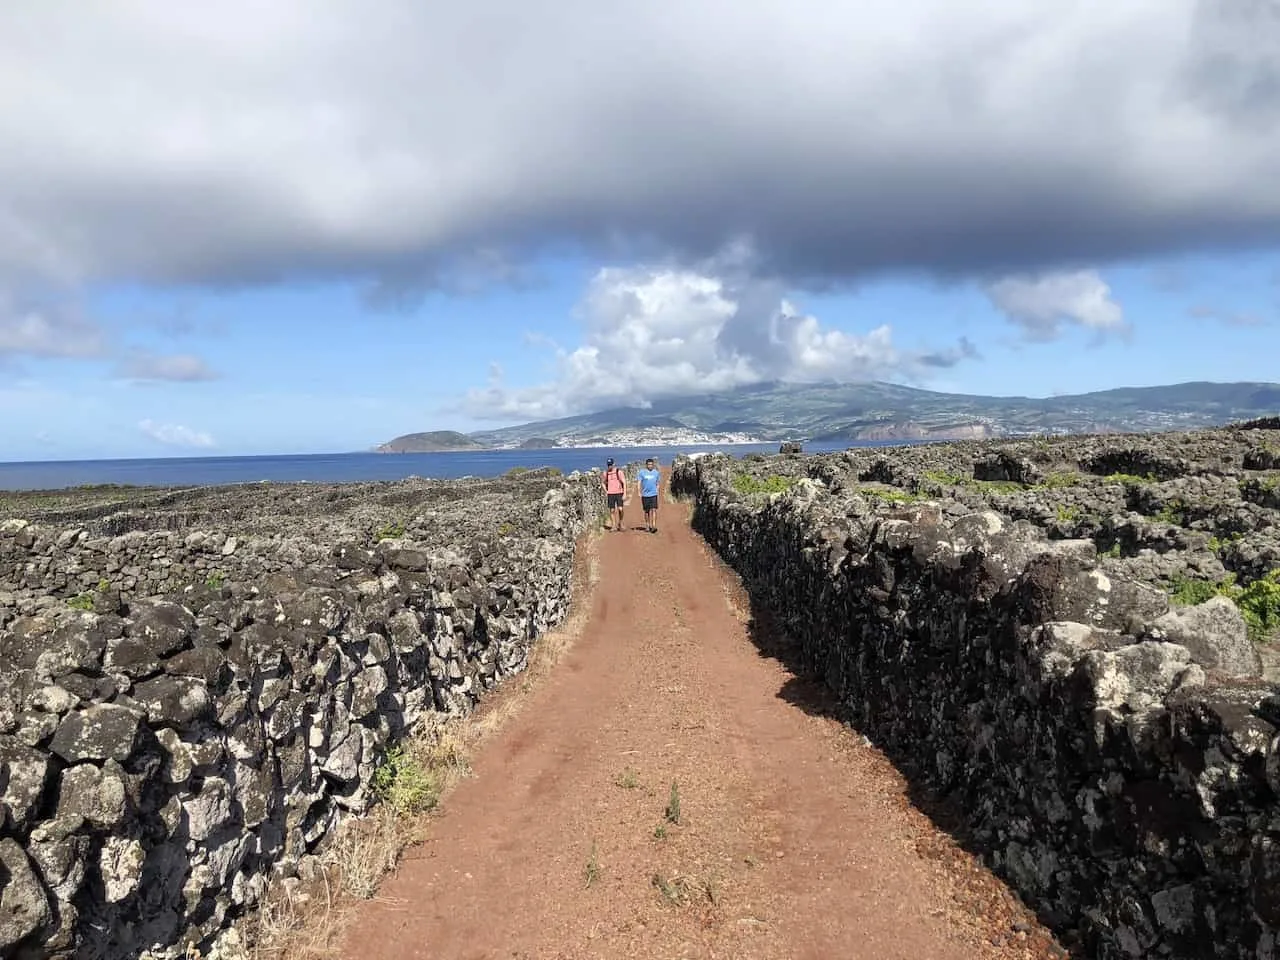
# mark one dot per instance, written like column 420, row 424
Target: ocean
column 344, row 467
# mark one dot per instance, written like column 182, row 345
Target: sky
column 314, row 225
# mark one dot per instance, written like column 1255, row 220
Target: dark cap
column 609, row 462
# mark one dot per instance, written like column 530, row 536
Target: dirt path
column 794, row 839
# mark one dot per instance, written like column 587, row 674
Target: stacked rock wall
column 186, row 710
column 1116, row 757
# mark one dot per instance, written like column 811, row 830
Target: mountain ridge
column 878, row 410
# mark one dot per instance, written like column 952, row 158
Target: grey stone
column 174, row 701
column 101, row 731
column 96, row 795
column 120, row 866
column 24, row 777
column 1216, row 635
column 24, row 904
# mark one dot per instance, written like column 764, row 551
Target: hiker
column 649, row 479
column 615, row 490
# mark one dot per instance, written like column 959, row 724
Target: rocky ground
column 195, row 685
column 1196, row 513
column 1072, row 641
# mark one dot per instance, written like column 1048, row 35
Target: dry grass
column 303, row 918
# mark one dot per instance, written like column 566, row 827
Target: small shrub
column 593, row 866
column 391, row 531
column 1060, row 479
column 1220, row 544
column 745, row 483
column 628, row 779
column 1187, row 592
column 1067, row 514
column 945, row 478
column 890, row 496
column 216, row 580
column 1112, row 551
column 404, row 784
column 104, row 585
column 82, row 602
column 1259, row 603
column 1174, row 512
column 505, row 530
column 672, row 813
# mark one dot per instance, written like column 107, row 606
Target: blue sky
column 231, row 231
column 312, row 368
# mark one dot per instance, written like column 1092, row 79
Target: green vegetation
column 1060, row 479
column 1175, row 512
column 505, row 529
column 1188, row 592
column 1067, row 513
column 593, row 866
column 628, row 779
column 1220, row 544
column 515, row 473
column 104, row 585
column 404, row 783
column 745, row 483
column 948, row 479
column 1112, row 551
column 216, row 580
column 1259, row 602
column 672, row 813
column 390, row 531
column 82, row 602
column 890, row 496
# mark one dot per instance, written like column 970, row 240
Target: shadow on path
column 811, row 695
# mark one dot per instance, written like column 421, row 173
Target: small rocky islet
column 196, row 684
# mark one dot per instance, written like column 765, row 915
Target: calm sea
column 341, row 467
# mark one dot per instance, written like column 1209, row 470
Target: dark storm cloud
column 390, row 141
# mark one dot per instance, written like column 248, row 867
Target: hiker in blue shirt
column 649, row 479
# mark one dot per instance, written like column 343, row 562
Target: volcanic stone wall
column 1002, row 620
column 195, row 686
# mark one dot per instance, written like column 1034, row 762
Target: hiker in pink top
column 615, row 491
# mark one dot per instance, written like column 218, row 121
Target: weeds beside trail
column 670, row 792
column 303, row 918
column 300, row 919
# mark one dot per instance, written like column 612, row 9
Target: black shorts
column 650, row 503
column 615, row 501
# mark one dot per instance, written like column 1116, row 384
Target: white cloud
column 181, row 367
column 660, row 332
column 175, row 435
column 1041, row 304
column 386, row 140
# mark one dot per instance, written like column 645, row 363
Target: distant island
column 868, row 411
column 434, row 441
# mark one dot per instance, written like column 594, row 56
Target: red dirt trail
column 795, row 839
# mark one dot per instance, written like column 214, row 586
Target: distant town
column 658, row 437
